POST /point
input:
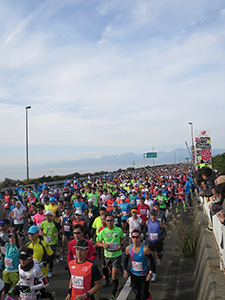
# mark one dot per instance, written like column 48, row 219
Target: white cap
column 90, row 200
column 78, row 212
column 49, row 212
column 123, row 198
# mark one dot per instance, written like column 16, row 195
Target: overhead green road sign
column 151, row 155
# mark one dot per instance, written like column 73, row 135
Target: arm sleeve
column 42, row 279
column 152, row 263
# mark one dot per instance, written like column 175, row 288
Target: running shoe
column 112, row 297
column 49, row 274
column 177, row 210
column 53, row 297
column 62, row 259
column 153, row 277
column 159, row 261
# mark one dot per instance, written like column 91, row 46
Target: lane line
column 125, row 291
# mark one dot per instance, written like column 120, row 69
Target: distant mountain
column 126, row 160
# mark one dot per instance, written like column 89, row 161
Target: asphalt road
column 175, row 278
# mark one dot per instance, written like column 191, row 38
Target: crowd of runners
column 120, row 219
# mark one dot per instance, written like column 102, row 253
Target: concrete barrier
column 209, row 278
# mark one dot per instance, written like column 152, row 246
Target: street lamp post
column 27, row 161
column 192, row 141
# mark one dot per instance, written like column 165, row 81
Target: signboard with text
column 151, row 155
column 203, row 147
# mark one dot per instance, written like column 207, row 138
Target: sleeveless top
column 154, row 231
column 139, row 263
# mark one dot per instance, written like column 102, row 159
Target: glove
column 44, row 263
column 16, row 290
column 25, row 288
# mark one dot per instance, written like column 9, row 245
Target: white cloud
column 140, row 85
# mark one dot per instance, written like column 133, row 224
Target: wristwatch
column 151, row 272
column 88, row 295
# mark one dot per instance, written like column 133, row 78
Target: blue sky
column 109, row 77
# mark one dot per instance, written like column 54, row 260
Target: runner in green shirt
column 50, row 234
column 111, row 238
column 161, row 198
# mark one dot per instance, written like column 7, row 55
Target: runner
column 111, row 239
column 135, row 222
column 85, row 278
column 31, row 278
column 66, row 224
column 140, row 274
column 50, row 233
column 154, row 237
column 78, row 233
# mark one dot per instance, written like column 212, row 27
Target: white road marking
column 125, row 291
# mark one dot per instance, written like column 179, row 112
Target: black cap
column 26, row 253
column 82, row 244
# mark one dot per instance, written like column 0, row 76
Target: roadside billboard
column 203, row 147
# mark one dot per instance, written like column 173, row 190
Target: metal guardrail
column 218, row 231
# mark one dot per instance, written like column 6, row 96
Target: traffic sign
column 151, row 155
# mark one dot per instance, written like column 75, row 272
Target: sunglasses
column 77, row 232
column 135, row 237
column 109, row 220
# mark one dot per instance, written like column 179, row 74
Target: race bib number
column 116, row 221
column 113, row 246
column 32, row 218
column 90, row 215
column 66, row 228
column 48, row 238
column 78, row 282
column 137, row 266
column 124, row 213
column 143, row 211
column 8, row 262
column 154, row 236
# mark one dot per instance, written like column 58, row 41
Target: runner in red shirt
column 143, row 209
column 181, row 197
column 85, row 278
column 78, row 233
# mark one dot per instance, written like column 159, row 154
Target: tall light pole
column 192, row 141
column 27, row 161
